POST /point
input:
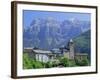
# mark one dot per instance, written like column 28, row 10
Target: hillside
column 83, row 43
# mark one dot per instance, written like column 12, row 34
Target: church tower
column 71, row 49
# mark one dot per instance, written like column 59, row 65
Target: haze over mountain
column 49, row 33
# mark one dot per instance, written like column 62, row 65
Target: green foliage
column 83, row 62
column 37, row 64
column 55, row 63
column 72, row 63
column 84, row 41
column 48, row 64
column 29, row 63
column 64, row 61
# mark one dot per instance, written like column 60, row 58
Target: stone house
column 39, row 55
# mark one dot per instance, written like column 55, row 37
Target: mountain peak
column 49, row 33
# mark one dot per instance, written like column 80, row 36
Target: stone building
column 39, row 55
column 45, row 56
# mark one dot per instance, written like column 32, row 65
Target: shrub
column 37, row 64
column 29, row 63
column 72, row 63
column 83, row 62
column 48, row 64
column 64, row 61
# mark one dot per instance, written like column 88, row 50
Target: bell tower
column 71, row 49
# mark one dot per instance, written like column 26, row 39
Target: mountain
column 49, row 33
column 83, row 43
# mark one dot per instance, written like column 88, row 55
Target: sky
column 29, row 15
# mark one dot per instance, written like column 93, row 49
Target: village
column 54, row 54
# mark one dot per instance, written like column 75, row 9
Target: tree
column 72, row 63
column 37, row 64
column 83, row 62
column 27, row 63
column 48, row 64
column 64, row 62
